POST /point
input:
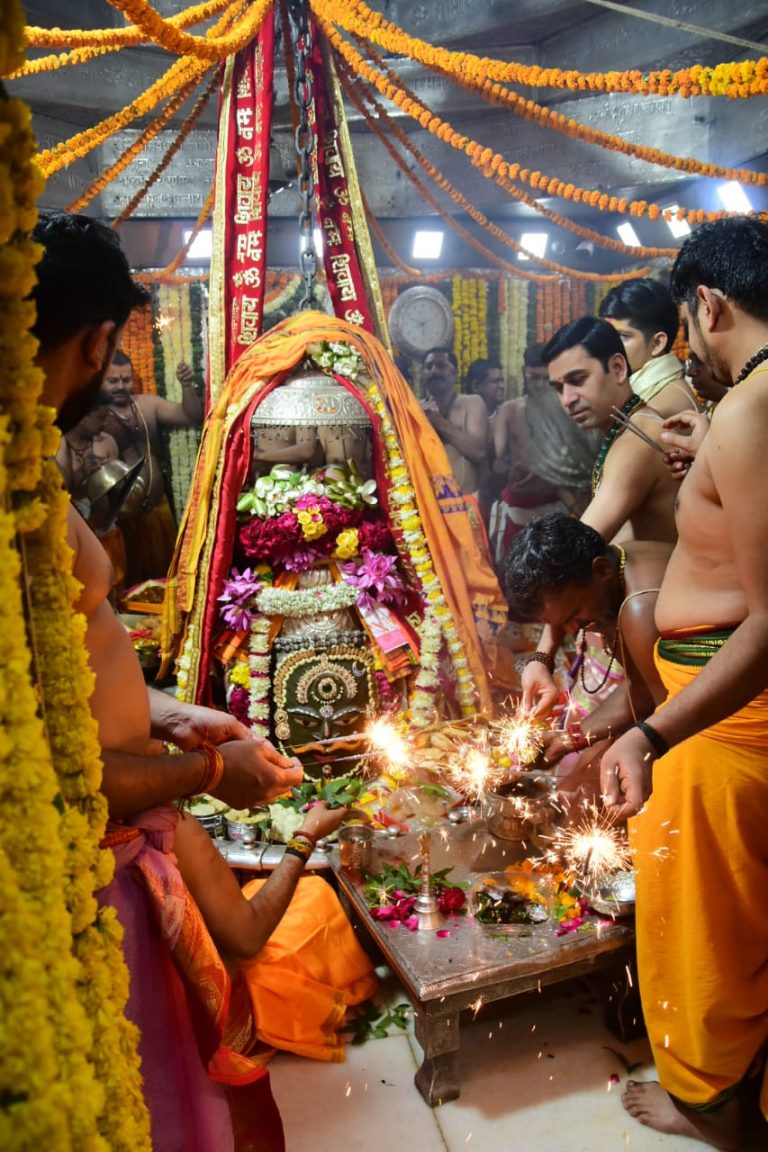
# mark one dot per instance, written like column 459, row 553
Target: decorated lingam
column 315, row 582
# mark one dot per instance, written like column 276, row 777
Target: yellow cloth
column 468, row 583
column 308, row 973
column 701, row 854
column 149, row 543
column 656, row 374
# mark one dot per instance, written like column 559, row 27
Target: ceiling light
column 427, row 245
column 535, row 242
column 628, row 235
column 733, row 197
column 202, row 245
column 676, row 226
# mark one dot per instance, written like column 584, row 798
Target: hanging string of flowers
column 352, row 90
column 177, row 340
column 167, row 275
column 736, row 80
column 137, row 343
column 491, row 163
column 184, row 131
column 127, row 157
column 69, row 1073
column 180, row 74
column 211, row 47
column 383, row 240
column 118, row 37
column 638, row 253
column 513, row 329
column 60, row 60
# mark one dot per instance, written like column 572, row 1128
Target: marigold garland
column 69, row 1074
column 211, row 47
column 118, row 37
column 126, row 158
column 736, row 80
column 61, row 60
column 638, row 252
column 491, row 163
column 184, row 131
column 137, row 342
column 352, row 90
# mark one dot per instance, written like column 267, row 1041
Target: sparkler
column 386, row 738
column 592, row 850
column 475, row 774
column 520, row 736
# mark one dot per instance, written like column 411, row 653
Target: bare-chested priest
column 696, row 770
column 84, row 296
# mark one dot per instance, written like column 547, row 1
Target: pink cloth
column 189, row 1112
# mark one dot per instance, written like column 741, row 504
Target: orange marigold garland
column 118, row 37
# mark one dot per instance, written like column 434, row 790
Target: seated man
column 561, row 572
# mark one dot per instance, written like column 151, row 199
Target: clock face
column 420, row 319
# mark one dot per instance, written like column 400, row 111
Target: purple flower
column 375, row 573
column 300, row 559
column 238, row 591
column 237, row 617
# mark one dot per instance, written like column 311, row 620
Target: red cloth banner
column 248, row 111
column 342, row 265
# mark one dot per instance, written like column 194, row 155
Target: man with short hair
column 485, row 378
column 560, row 572
column 460, row 421
column 84, row 295
column 645, row 316
column 696, row 771
column 135, row 422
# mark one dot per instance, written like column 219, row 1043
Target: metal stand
column 429, row 915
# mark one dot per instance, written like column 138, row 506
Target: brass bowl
column 524, row 808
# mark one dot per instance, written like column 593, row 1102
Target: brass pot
column 522, row 809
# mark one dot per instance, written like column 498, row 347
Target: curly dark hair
column 730, row 255
column 550, row 554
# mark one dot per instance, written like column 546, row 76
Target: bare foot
column 652, row 1106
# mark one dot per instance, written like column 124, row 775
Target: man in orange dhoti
column 701, row 852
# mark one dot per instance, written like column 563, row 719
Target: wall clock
column 420, row 319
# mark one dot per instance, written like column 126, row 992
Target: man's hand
column 540, row 692
column 556, row 744
column 322, row 821
column 190, row 725
column 626, row 774
column 185, row 375
column 255, row 773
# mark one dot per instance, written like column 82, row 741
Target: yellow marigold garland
column 736, row 80
column 126, row 158
column 170, row 152
column 211, row 47
column 352, row 91
column 118, row 37
column 69, row 1074
column 61, row 60
column 137, row 343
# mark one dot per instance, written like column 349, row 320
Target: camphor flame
column 593, row 849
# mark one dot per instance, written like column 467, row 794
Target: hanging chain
column 301, row 40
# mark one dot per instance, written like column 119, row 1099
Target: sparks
column 592, row 850
column 520, row 736
column 387, row 739
column 475, row 774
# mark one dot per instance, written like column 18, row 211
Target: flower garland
column 137, row 343
column 491, row 163
column 69, row 1072
column 470, row 314
column 211, row 47
column 736, row 80
column 258, row 670
column 177, row 337
column 127, row 157
column 297, row 602
column 170, row 152
column 117, row 37
column 513, row 330
column 351, row 89
column 639, row 252
column 60, row 60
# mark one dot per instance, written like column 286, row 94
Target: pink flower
column 375, row 573
column 411, row 923
column 451, row 900
column 236, row 596
column 443, row 932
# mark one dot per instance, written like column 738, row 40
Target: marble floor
column 539, row 1073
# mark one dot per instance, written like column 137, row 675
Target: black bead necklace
column 608, row 439
column 583, row 652
column 752, row 363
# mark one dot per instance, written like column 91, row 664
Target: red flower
column 451, row 900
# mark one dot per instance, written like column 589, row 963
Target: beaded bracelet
column 213, row 771
column 541, row 658
column 654, row 738
column 299, row 846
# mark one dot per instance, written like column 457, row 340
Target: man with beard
column 696, row 770
column 84, row 296
column 135, row 422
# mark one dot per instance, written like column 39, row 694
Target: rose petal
column 442, row 933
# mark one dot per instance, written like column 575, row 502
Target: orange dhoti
column 701, row 855
column 310, row 971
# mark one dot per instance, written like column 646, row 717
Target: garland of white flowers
column 260, row 680
column 296, row 602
